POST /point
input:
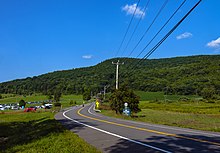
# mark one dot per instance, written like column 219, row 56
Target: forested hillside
column 179, row 75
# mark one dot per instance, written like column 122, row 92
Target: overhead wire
column 180, row 6
column 135, row 29
column 119, row 48
column 165, row 37
column 155, row 18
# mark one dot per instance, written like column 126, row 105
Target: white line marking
column 163, row 127
column 172, row 128
column 89, row 111
column 113, row 134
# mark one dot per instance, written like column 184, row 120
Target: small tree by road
column 121, row 96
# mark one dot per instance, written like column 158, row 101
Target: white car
column 1, row 107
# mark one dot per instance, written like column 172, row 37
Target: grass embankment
column 38, row 132
column 193, row 113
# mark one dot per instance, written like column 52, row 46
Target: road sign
column 97, row 104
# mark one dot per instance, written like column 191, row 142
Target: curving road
column 117, row 135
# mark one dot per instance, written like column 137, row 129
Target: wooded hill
column 179, row 75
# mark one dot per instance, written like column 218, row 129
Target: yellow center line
column 147, row 130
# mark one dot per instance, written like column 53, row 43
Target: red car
column 30, row 109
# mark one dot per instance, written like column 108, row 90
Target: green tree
column 208, row 92
column 22, row 103
column 121, row 96
column 57, row 95
column 86, row 95
column 50, row 97
column 1, row 96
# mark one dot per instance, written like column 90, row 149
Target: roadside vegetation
column 174, row 110
column 38, row 132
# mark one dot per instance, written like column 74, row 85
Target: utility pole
column 105, row 87
column 117, row 67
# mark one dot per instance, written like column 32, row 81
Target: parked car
column 30, row 109
column 48, row 106
column 1, row 107
column 14, row 107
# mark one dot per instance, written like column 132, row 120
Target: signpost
column 97, row 104
column 126, row 110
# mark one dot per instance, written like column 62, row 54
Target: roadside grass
column 194, row 113
column 182, row 107
column 66, row 99
column 159, row 96
column 186, row 120
column 38, row 132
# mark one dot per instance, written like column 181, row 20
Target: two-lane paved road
column 117, row 135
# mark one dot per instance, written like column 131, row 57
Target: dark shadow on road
column 168, row 143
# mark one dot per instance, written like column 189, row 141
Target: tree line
column 192, row 75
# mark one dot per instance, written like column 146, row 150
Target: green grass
column 159, row 96
column 38, row 132
column 183, row 107
column 195, row 113
column 186, row 120
column 17, row 98
column 65, row 99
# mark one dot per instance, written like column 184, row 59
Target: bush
column 22, row 103
column 71, row 102
column 122, row 95
column 1, row 96
column 184, row 99
column 57, row 104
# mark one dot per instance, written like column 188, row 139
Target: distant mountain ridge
column 178, row 75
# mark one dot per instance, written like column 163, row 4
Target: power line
column 136, row 27
column 165, row 37
column 127, row 29
column 161, row 28
column 162, row 7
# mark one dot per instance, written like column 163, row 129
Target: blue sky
column 41, row 36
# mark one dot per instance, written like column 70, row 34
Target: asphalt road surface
column 116, row 135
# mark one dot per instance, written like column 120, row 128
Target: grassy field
column 65, row 99
column 194, row 113
column 159, row 96
column 38, row 132
column 17, row 98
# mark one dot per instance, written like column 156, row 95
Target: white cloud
column 184, row 36
column 214, row 43
column 130, row 9
column 87, row 56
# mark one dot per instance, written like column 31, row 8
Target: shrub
column 71, row 102
column 22, row 103
column 57, row 104
column 122, row 95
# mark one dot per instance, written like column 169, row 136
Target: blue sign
column 127, row 111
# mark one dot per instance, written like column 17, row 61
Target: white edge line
column 164, row 127
column 96, row 110
column 113, row 134
column 172, row 128
column 89, row 111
